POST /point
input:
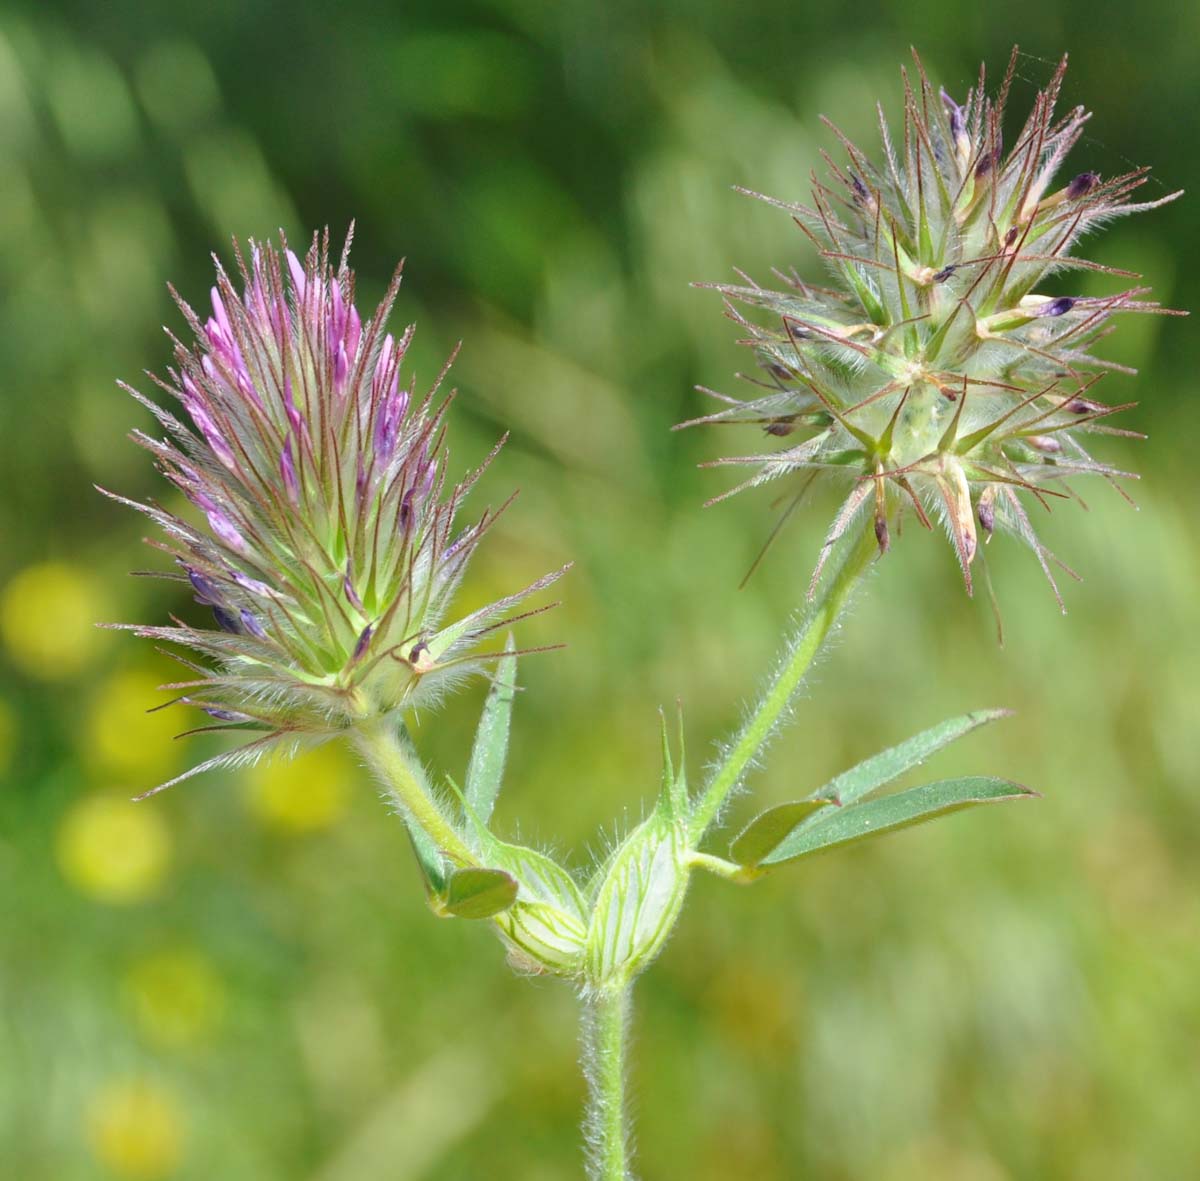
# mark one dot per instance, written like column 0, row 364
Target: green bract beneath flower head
column 934, row 375
column 323, row 537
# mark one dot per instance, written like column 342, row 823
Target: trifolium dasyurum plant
column 326, row 536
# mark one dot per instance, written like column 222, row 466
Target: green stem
column 805, row 645
column 605, row 1032
column 384, row 743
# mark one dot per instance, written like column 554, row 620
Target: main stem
column 605, row 1036
column 807, row 642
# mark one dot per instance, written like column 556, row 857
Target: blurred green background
column 240, row 979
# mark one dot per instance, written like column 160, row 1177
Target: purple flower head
column 325, row 519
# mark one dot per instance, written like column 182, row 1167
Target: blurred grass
column 240, row 979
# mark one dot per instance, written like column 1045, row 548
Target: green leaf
column 844, row 826
column 429, row 858
column 879, row 770
column 475, row 893
column 766, row 831
column 488, row 755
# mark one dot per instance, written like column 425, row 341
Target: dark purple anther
column 351, row 593
column 860, row 190
column 987, row 516
column 1057, row 307
column 945, row 273
column 251, row 624
column 406, row 510
column 1083, row 184
column 225, row 621
column 364, row 642
column 883, row 538
column 990, row 159
column 206, row 593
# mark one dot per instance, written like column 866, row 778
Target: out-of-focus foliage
column 240, row 979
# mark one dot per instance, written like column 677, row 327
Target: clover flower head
column 322, row 538
column 934, row 374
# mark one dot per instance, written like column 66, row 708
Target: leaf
column 914, row 806
column 766, row 831
column 881, row 769
column 488, row 755
column 475, row 893
column 429, row 858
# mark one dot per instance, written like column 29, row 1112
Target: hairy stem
column 384, row 743
column 802, row 650
column 605, row 1035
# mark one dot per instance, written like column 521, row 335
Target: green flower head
column 933, row 375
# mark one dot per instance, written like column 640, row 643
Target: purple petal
column 206, row 592
column 251, row 624
column 225, row 530
column 287, row 469
column 341, row 366
column 299, row 282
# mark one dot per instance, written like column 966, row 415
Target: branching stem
column 807, row 642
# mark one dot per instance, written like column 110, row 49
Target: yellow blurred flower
column 123, row 740
column 114, row 850
column 48, row 615
column 304, row 794
column 136, row 1129
column 177, row 996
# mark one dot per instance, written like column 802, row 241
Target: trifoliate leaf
column 844, row 826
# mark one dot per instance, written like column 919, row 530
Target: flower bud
column 1081, row 185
